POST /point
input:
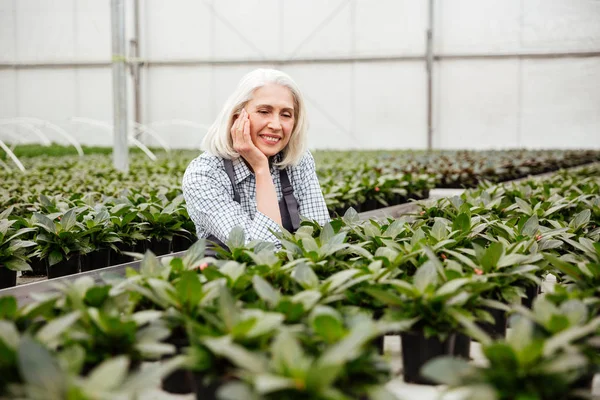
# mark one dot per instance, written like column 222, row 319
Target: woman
column 255, row 172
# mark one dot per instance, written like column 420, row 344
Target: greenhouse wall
column 508, row 73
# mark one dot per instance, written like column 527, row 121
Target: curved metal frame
column 182, row 122
column 12, row 121
column 56, row 129
column 110, row 128
column 12, row 156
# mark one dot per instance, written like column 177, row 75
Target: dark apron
column 288, row 207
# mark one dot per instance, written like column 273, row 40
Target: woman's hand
column 242, row 143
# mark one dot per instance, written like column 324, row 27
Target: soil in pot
column 64, row 268
column 8, row 277
column 418, row 350
column 97, row 259
column 497, row 330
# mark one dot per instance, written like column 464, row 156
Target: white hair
column 218, row 140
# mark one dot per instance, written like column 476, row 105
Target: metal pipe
column 119, row 77
column 135, row 64
column 340, row 60
column 429, row 66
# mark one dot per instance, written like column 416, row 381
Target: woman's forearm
column 266, row 196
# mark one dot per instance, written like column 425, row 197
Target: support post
column 429, row 61
column 119, row 77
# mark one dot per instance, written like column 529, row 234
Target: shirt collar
column 241, row 171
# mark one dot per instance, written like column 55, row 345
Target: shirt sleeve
column 311, row 203
column 209, row 198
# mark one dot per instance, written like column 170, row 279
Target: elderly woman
column 256, row 171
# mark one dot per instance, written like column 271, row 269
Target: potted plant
column 101, row 237
column 524, row 366
column 14, row 252
column 438, row 309
column 61, row 243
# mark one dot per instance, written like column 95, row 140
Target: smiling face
column 271, row 113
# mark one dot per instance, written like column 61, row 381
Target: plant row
column 305, row 321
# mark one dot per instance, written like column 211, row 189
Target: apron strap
column 290, row 201
column 231, row 175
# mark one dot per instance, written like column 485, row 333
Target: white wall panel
column 477, row 104
column 390, row 105
column 475, row 26
column 224, row 81
column 46, row 94
column 8, row 94
column 45, row 30
column 561, row 25
column 93, row 30
column 7, row 30
column 390, row 27
column 94, row 100
column 180, row 93
column 561, row 103
column 328, row 90
column 317, row 28
column 176, row 29
column 247, row 29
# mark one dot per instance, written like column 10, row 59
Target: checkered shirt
column 209, row 196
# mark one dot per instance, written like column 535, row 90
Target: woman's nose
column 275, row 123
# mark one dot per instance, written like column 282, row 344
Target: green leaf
column 237, row 238
column 227, row 309
column 189, row 288
column 8, row 307
column 305, row 276
column 448, row 371
column 385, row 297
column 326, row 233
column 492, row 255
column 531, row 226
column 50, row 333
column 462, row 223
column 581, row 219
column 266, row 383
column 265, row 291
column 237, row 354
column 9, row 335
column 69, row 219
column 426, row 275
column 44, row 222
column 524, row 206
column 107, row 376
column 40, row 369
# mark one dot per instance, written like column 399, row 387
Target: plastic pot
column 160, row 246
column 531, row 292
column 97, row 259
column 462, row 346
column 417, row 350
column 497, row 330
column 180, row 243
column 117, row 257
column 64, row 268
column 8, row 277
column 38, row 267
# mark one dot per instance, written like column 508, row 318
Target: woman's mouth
column 270, row 139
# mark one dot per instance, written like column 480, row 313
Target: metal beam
column 194, row 62
column 429, row 66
